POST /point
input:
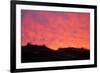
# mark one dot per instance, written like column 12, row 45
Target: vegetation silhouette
column 34, row 53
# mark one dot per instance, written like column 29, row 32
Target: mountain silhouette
column 34, row 53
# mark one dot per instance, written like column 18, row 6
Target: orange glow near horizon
column 55, row 29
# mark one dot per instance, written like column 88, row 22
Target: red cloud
column 56, row 29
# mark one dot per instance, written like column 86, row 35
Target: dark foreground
column 33, row 53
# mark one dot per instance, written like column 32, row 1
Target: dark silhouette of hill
column 34, row 53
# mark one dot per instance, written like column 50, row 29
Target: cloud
column 55, row 29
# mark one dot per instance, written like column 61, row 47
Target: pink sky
column 55, row 29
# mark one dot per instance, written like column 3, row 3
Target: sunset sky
column 55, row 29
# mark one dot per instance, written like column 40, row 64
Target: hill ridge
column 35, row 53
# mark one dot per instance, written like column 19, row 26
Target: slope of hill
column 34, row 53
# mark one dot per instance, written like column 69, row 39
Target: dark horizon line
column 58, row 48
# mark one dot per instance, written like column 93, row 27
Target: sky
column 55, row 29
